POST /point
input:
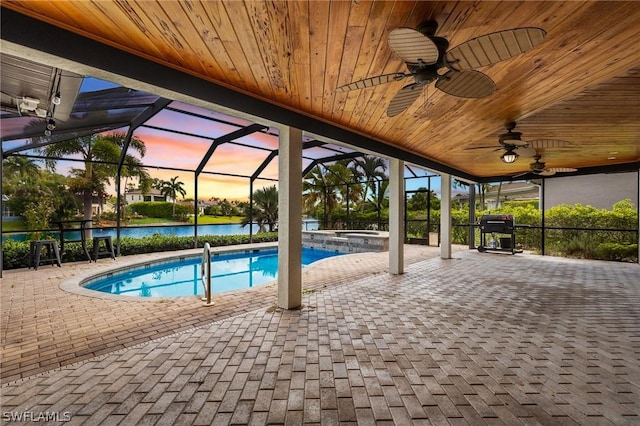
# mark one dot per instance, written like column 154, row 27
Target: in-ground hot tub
column 348, row 241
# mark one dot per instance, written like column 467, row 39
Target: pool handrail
column 205, row 274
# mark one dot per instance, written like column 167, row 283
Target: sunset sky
column 182, row 151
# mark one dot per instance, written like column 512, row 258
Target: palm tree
column 171, row 188
column 373, row 169
column 22, row 167
column 483, row 188
column 100, row 154
column 265, row 209
column 328, row 185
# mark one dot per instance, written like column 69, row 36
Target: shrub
column 617, row 252
column 160, row 209
column 16, row 253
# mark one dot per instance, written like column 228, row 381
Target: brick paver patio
column 478, row 339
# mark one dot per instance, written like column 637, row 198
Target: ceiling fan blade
column 372, row 81
column 466, row 84
column 525, row 151
column 548, row 143
column 521, row 174
column 413, row 46
column 562, row 169
column 403, row 99
column 546, row 172
column 491, row 48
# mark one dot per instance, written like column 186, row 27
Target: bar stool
column 107, row 250
column 51, row 253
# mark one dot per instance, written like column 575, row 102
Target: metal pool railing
column 205, row 273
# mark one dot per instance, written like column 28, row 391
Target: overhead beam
column 264, row 164
column 140, row 119
column 329, row 159
column 237, row 134
column 274, row 153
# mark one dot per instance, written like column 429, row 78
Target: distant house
column 99, row 206
column 511, row 191
column 6, row 211
column 202, row 205
column 138, row 196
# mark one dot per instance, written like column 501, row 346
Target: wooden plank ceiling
column 581, row 84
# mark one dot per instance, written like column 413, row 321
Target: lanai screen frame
column 49, row 40
column 141, row 120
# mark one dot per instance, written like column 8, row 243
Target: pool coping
column 76, row 284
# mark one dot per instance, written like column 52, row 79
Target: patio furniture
column 107, row 248
column 67, row 226
column 48, row 248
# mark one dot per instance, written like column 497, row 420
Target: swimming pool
column 181, row 277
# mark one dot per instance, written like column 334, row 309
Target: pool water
column 229, row 271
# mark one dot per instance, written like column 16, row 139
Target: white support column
column 290, row 218
column 445, row 216
column 396, row 216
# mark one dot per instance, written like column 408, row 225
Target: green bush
column 617, row 252
column 579, row 243
column 16, row 253
column 162, row 209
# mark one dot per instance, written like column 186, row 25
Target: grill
column 498, row 226
column 497, row 223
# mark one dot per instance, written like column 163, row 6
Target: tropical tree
column 265, row 209
column 373, row 170
column 418, row 201
column 18, row 172
column 19, row 167
column 41, row 199
column 483, row 188
column 351, row 192
column 325, row 187
column 100, row 154
column 225, row 207
column 172, row 188
column 156, row 183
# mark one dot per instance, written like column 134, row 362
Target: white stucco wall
column 600, row 191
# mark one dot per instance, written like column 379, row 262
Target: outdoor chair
column 48, row 248
column 107, row 248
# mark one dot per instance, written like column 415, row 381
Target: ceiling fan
column 513, row 146
column 425, row 53
column 539, row 168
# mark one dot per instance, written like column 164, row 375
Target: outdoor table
column 67, row 226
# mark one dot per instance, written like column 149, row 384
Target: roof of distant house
column 138, row 191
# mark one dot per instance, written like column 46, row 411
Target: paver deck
column 478, row 339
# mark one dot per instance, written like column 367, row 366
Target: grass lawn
column 202, row 220
column 152, row 221
column 14, row 225
column 209, row 220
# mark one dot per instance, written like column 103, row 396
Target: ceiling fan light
column 510, row 156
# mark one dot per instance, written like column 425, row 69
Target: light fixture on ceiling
column 51, row 124
column 509, row 156
column 55, row 99
column 47, row 132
